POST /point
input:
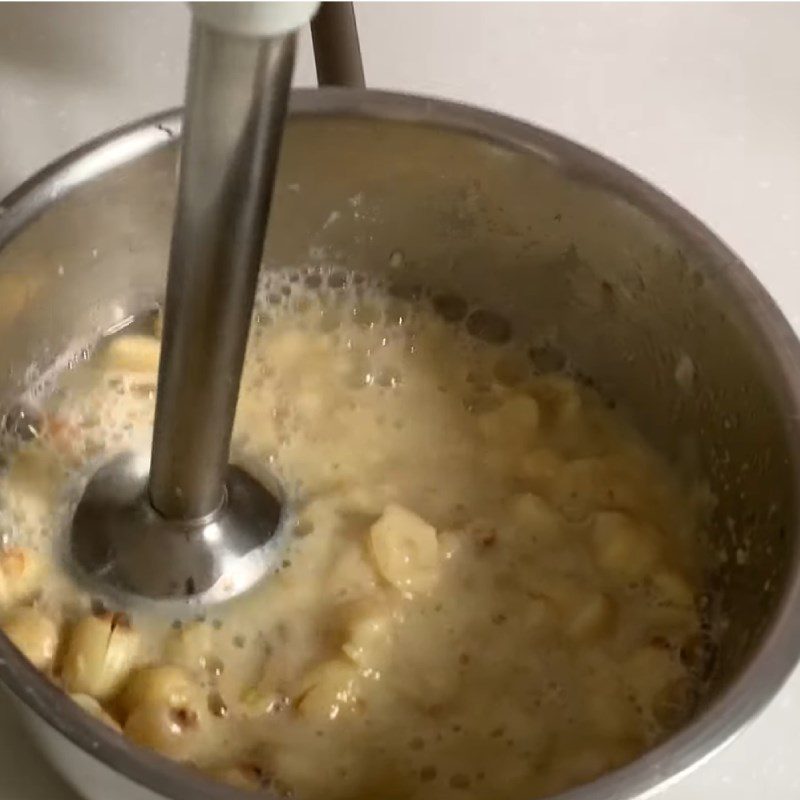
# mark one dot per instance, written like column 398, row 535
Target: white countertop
column 703, row 100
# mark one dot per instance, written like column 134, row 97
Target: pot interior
column 613, row 287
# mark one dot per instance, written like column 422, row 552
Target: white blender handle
column 259, row 19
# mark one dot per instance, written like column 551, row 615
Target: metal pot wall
column 564, row 249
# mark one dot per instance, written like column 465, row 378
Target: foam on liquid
column 557, row 640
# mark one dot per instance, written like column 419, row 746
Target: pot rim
column 737, row 704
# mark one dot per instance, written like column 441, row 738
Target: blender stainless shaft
column 184, row 523
column 236, row 105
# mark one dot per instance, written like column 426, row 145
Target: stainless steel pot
column 580, row 258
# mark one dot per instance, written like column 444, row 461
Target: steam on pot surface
column 533, row 522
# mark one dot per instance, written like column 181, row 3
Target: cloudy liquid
column 556, row 633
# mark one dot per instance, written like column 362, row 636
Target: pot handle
column 337, row 52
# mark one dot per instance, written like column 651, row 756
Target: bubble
column 450, row 307
column 547, row 358
column 23, row 422
column 337, row 279
column 428, row 773
column 329, row 320
column 460, row 781
column 216, row 705
column 145, row 391
column 488, row 327
column 480, row 403
column 214, row 666
column 395, row 313
column 685, row 372
column 511, row 370
column 388, row 378
column 674, row 703
column 366, row 316
column 412, row 292
column 699, row 654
